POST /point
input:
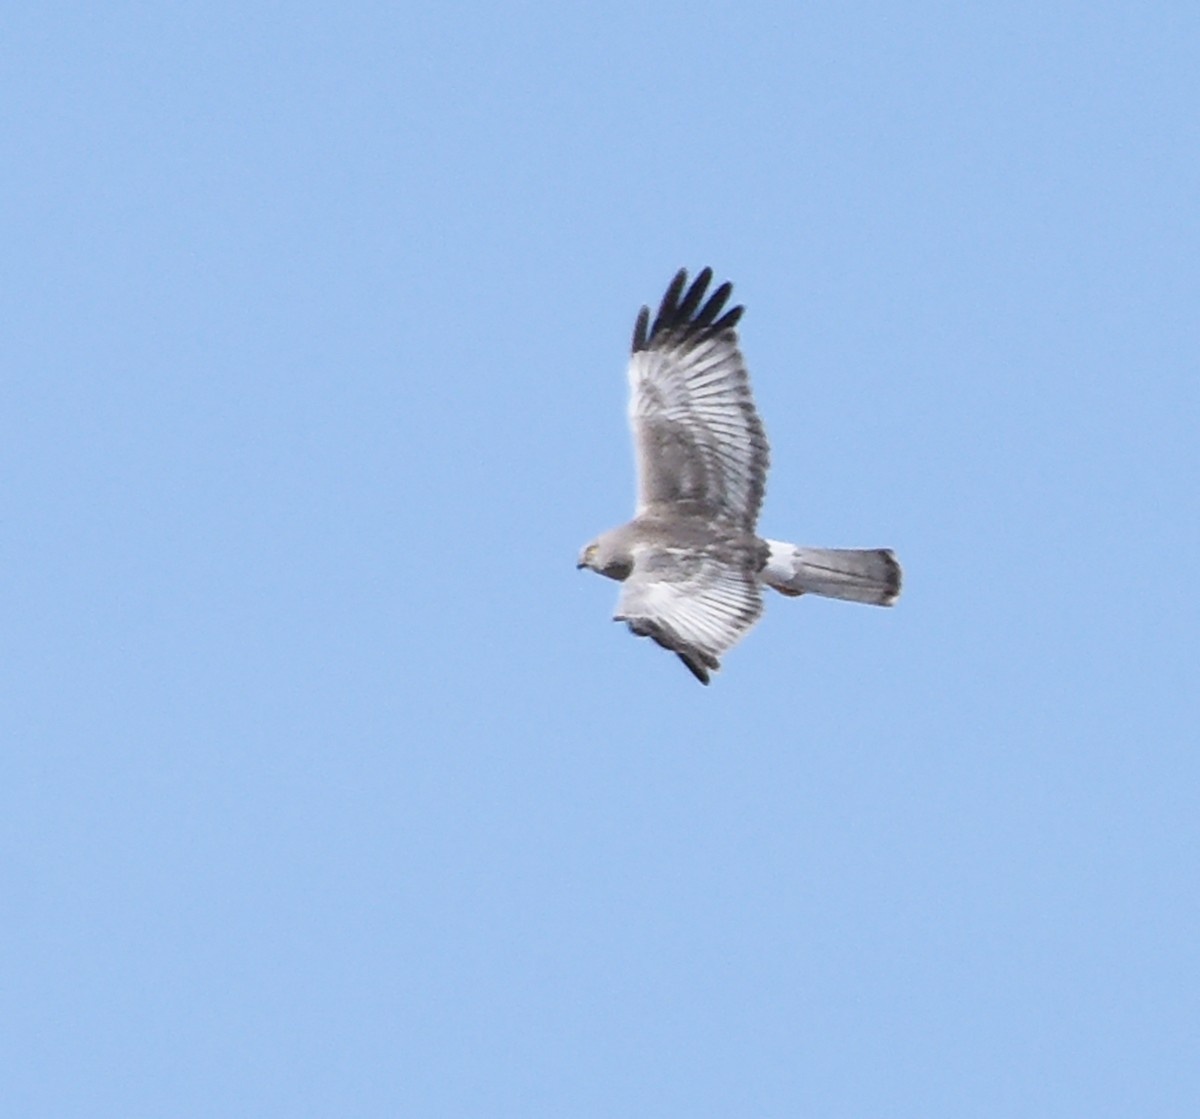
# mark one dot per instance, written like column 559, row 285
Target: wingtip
column 696, row 668
column 685, row 311
column 641, row 329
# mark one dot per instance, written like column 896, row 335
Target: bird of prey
column 690, row 563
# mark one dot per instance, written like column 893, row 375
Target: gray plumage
column 690, row 563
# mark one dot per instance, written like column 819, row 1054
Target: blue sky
column 329, row 788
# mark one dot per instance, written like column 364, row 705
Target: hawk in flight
column 690, row 563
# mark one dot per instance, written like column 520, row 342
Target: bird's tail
column 855, row 574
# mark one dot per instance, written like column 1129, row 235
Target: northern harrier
column 690, row 564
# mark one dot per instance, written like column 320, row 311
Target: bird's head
column 608, row 555
column 587, row 557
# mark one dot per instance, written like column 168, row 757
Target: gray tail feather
column 869, row 575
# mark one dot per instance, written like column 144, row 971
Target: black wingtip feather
column 728, row 320
column 668, row 308
column 712, row 308
column 690, row 317
column 639, row 329
column 697, row 660
column 695, row 293
column 695, row 668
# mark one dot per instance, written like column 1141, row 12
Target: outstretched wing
column 695, row 603
column 699, row 442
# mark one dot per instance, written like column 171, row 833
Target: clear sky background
column 327, row 786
